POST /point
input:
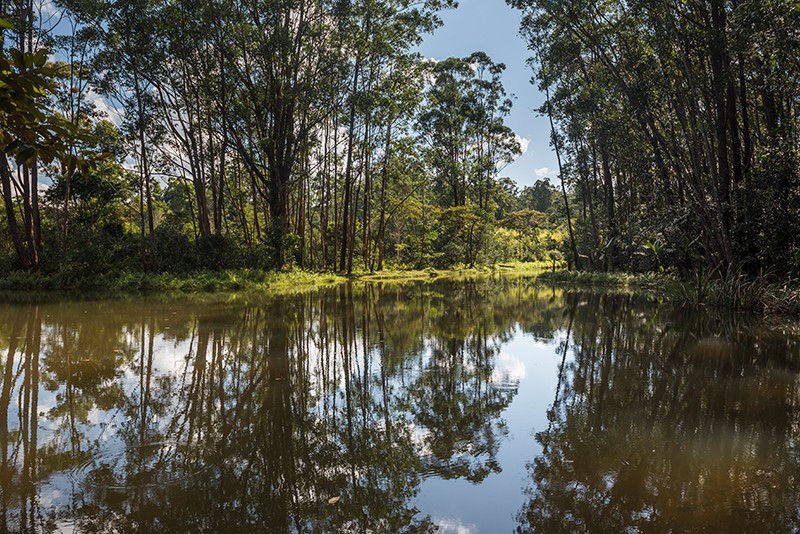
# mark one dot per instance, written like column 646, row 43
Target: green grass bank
column 237, row 280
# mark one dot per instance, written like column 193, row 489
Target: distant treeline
column 677, row 126
column 264, row 134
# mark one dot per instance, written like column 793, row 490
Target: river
column 495, row 405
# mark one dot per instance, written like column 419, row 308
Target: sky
column 492, row 26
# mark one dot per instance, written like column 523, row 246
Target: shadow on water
column 670, row 421
column 328, row 411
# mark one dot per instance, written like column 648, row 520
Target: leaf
column 13, row 146
column 5, row 24
column 18, row 57
column 72, row 163
column 334, row 500
column 25, row 155
column 40, row 58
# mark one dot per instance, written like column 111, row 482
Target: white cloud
column 49, row 8
column 523, row 143
column 102, row 105
column 42, row 188
column 509, row 370
column 454, row 526
column 545, row 172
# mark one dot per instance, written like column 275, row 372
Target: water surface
column 479, row 406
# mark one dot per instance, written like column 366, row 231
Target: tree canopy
column 678, row 122
column 263, row 134
column 310, row 133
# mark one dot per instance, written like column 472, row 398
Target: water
column 476, row 406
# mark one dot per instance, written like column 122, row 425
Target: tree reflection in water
column 324, row 412
column 309, row 413
column 669, row 421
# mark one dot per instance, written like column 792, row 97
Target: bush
column 217, row 252
column 768, row 232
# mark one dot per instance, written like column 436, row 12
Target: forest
column 677, row 126
column 178, row 136
column 274, row 134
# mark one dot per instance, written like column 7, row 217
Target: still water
column 456, row 407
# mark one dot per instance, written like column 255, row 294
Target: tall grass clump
column 740, row 292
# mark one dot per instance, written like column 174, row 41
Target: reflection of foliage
column 458, row 407
column 662, row 424
column 663, row 419
column 276, row 406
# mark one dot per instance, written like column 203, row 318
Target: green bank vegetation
column 245, row 280
column 244, row 140
column 739, row 293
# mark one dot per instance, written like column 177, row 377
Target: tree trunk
column 381, row 243
column 611, row 252
column 348, row 175
column 13, row 227
column 556, row 146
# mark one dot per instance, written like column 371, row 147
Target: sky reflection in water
column 477, row 406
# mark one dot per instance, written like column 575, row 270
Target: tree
column 661, row 110
column 30, row 133
column 539, row 196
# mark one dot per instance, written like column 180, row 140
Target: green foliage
column 462, row 127
column 655, row 249
column 538, row 197
column 458, row 235
column 337, row 147
column 678, row 147
column 28, row 130
column 769, row 221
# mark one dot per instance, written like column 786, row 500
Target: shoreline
column 239, row 280
column 738, row 294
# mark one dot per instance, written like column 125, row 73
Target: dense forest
column 180, row 136
column 262, row 134
column 677, row 126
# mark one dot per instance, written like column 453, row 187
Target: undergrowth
column 734, row 291
column 204, row 281
column 233, row 280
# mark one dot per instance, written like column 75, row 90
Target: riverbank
column 737, row 293
column 238, row 280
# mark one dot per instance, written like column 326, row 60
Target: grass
column 241, row 280
column 139, row 282
column 740, row 292
column 735, row 292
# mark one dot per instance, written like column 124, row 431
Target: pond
column 494, row 405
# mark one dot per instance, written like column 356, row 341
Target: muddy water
column 490, row 406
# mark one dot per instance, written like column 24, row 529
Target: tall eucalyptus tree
column 31, row 132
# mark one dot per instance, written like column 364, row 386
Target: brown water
column 488, row 406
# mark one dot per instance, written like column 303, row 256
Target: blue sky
column 492, row 26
